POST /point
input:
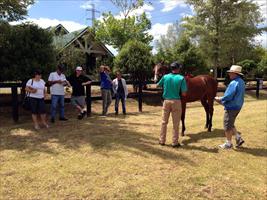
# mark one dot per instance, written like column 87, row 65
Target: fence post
column 259, row 86
column 15, row 105
column 88, row 100
column 140, row 94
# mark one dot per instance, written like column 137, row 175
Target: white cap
column 78, row 68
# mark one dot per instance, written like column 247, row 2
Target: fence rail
column 89, row 98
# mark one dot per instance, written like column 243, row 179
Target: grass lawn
column 119, row 157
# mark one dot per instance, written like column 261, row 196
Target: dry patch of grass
column 119, row 157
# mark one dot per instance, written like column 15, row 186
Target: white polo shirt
column 57, row 89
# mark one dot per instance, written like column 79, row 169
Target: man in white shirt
column 57, row 80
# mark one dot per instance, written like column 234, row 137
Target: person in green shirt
column 173, row 85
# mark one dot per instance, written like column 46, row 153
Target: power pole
column 93, row 11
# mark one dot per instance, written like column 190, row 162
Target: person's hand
column 33, row 90
column 218, row 99
column 59, row 81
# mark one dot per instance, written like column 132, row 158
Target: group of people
column 174, row 88
column 35, row 88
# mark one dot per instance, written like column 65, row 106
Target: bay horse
column 201, row 87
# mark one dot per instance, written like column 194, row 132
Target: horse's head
column 159, row 71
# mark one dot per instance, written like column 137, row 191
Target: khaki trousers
column 171, row 107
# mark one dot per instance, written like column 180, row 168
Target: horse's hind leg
column 210, row 104
column 183, row 118
column 206, row 107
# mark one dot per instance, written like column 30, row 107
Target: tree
column 13, row 10
column 25, row 47
column 176, row 45
column 135, row 59
column 224, row 28
column 116, row 31
column 169, row 40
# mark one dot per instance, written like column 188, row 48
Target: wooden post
column 140, row 94
column 15, row 105
column 88, row 100
column 258, row 88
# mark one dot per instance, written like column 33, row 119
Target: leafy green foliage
column 182, row 50
column 224, row 29
column 135, row 59
column 117, row 32
column 24, row 48
column 248, row 67
column 13, row 10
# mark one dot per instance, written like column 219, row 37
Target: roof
column 63, row 41
column 59, row 27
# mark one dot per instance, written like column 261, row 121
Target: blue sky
column 73, row 15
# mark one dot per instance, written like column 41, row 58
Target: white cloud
column 46, row 22
column 145, row 8
column 171, row 4
column 262, row 39
column 159, row 29
column 89, row 4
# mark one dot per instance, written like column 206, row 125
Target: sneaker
column 84, row 113
column 239, row 142
column 52, row 120
column 80, row 116
column 46, row 126
column 176, row 145
column 37, row 127
column 63, row 119
column 226, row 146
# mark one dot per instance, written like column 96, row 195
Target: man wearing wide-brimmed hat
column 232, row 101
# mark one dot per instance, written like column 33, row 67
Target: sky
column 74, row 14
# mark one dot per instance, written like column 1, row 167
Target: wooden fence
column 89, row 98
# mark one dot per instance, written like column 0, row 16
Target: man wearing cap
column 232, row 101
column 78, row 81
column 57, row 81
column 172, row 84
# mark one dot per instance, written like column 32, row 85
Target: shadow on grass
column 261, row 152
column 103, row 135
column 204, row 135
column 194, row 138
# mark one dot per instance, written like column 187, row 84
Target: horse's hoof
column 182, row 134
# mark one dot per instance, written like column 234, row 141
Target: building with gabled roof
column 82, row 40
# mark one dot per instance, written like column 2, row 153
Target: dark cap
column 175, row 65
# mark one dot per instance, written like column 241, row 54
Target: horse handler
column 172, row 84
column 232, row 101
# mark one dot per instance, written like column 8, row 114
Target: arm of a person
column 87, row 81
column 229, row 93
column 29, row 87
column 183, row 88
column 51, row 81
column 160, row 83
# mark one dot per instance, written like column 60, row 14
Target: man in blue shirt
column 173, row 84
column 106, row 87
column 232, row 101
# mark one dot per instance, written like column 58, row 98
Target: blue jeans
column 55, row 99
column 117, row 101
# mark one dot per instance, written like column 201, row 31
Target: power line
column 93, row 11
